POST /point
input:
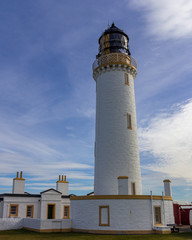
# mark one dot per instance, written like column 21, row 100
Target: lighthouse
column 117, row 164
column 117, row 205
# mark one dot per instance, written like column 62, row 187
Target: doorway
column 50, row 211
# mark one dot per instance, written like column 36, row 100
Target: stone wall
column 116, row 147
column 22, row 203
column 124, row 214
column 11, row 223
column 56, row 225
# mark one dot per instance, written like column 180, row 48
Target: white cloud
column 168, row 138
column 167, row 19
column 40, row 158
column 6, row 181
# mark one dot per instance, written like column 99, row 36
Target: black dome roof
column 113, row 29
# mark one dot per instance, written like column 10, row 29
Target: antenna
column 108, row 24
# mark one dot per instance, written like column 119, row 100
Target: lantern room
column 113, row 40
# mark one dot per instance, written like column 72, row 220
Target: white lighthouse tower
column 117, row 164
column 117, row 205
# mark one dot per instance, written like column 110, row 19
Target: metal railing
column 114, row 58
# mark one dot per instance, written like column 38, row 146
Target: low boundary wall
column 47, row 225
column 51, row 225
column 11, row 223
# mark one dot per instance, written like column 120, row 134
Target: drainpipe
column 152, row 210
column 163, row 208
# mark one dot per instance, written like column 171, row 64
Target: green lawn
column 27, row 235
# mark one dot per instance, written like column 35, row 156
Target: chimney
column 167, row 187
column 18, row 184
column 122, row 185
column 62, row 185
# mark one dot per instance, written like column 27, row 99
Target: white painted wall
column 62, row 187
column 52, row 197
column 117, row 152
column 65, row 202
column 167, row 188
column 22, row 202
column 32, row 223
column 169, row 214
column 125, row 214
column 123, row 186
column 47, row 224
column 1, row 209
column 40, row 205
column 38, row 224
column 190, row 218
column 56, row 224
column 11, row 223
column 18, row 186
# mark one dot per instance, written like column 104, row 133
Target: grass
column 28, row 235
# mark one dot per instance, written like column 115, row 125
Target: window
column 66, row 211
column 104, row 216
column 129, row 125
column 126, row 76
column 29, row 211
column 13, row 211
column 133, row 188
column 50, row 211
column 157, row 215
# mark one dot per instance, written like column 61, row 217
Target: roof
column 67, row 196
column 113, row 29
column 50, row 189
column 91, row 193
column 19, row 195
column 180, row 202
column 28, row 195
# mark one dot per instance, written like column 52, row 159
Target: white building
column 117, row 205
column 46, row 211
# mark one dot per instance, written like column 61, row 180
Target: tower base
column 122, row 214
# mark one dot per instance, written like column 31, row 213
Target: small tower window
column 133, row 188
column 126, row 76
column 129, row 124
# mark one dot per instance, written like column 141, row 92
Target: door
column 51, row 211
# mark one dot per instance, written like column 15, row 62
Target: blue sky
column 47, row 93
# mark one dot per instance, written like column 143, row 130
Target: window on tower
column 126, row 76
column 133, row 188
column 129, row 124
